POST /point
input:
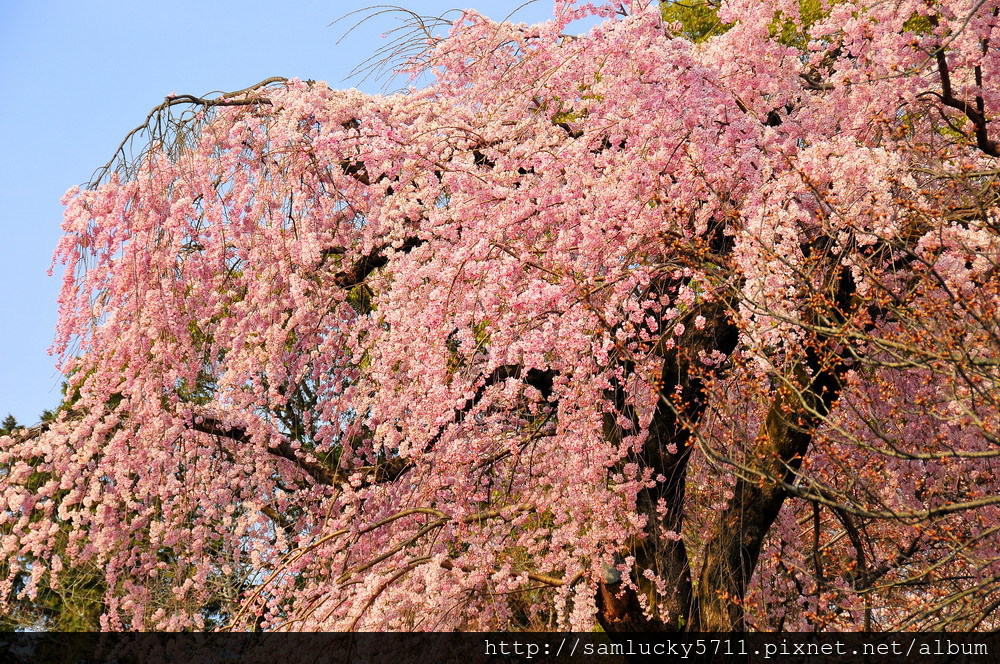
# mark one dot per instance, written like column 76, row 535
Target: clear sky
column 77, row 76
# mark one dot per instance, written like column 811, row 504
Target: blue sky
column 77, row 76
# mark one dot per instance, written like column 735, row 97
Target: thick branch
column 375, row 259
column 975, row 112
column 317, row 471
column 536, row 378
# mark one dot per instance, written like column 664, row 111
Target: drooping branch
column 241, row 97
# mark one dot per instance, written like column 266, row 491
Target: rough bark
column 667, row 451
column 732, row 551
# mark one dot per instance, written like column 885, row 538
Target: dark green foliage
column 8, row 425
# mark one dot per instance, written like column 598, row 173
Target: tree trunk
column 666, row 451
column 732, row 551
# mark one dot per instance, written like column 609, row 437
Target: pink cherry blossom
column 615, row 328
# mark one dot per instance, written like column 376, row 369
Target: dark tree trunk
column 731, row 553
column 667, row 451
